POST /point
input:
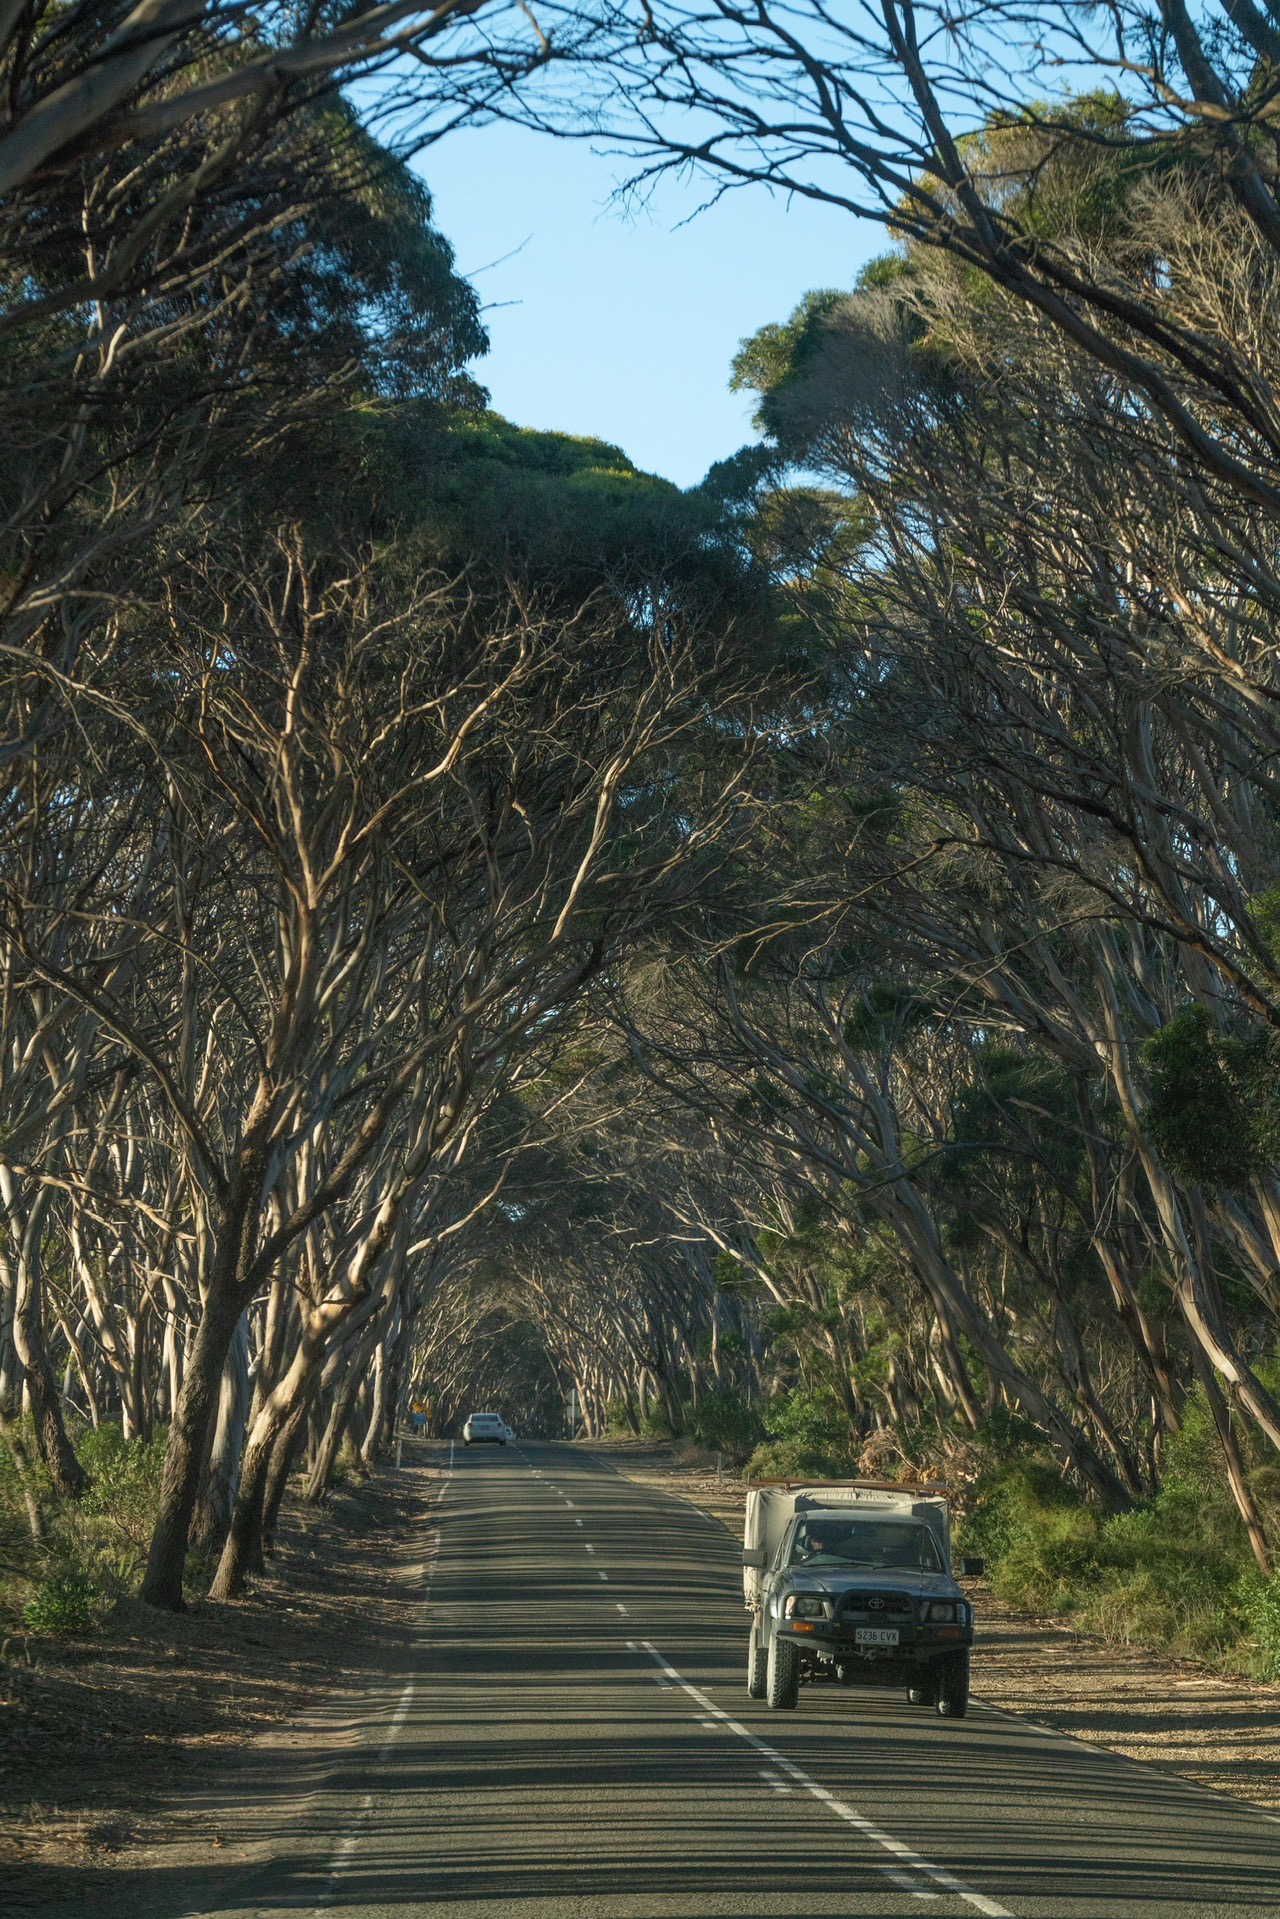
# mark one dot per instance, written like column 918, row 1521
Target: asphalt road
column 569, row 1737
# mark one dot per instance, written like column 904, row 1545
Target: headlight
column 944, row 1612
column 804, row 1606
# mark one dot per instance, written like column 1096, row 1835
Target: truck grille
column 871, row 1609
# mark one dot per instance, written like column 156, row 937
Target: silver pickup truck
column 850, row 1581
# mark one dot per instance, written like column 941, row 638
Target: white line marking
column 867, row 1827
column 569, row 1502
column 908, row 1885
column 579, row 1522
column 343, row 1851
column 604, row 1576
column 621, row 1608
column 590, row 1549
column 774, row 1780
column 401, row 1713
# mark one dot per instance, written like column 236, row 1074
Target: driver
column 814, row 1541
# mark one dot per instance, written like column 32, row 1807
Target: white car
column 485, row 1429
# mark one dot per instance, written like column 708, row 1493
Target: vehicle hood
column 866, row 1579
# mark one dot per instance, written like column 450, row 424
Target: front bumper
column 833, row 1640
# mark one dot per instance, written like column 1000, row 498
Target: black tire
column 919, row 1695
column 782, row 1680
column 951, row 1693
column 757, row 1665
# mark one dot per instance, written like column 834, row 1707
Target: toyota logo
column 875, row 1605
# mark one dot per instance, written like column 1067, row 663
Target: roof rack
column 932, row 1487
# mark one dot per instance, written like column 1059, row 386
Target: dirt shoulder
column 1221, row 1733
column 98, row 1734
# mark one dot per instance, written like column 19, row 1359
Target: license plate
column 876, row 1636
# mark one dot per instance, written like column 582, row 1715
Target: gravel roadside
column 1221, row 1733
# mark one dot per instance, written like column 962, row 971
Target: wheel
column 782, row 1680
column 951, row 1693
column 757, row 1665
column 919, row 1696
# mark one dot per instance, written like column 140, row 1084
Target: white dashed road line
column 905, row 1856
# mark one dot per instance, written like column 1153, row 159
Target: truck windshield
column 865, row 1542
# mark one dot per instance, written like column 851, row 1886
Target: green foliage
column 124, row 1480
column 548, row 501
column 1264, row 911
column 1176, row 1574
column 655, row 1425
column 725, row 1421
column 1259, row 1601
column 1036, row 1533
column 70, row 1602
column 809, row 1432
column 1214, row 1115
column 766, row 360
column 90, row 1549
column 883, row 1014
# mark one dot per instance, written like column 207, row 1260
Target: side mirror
column 972, row 1568
column 755, row 1556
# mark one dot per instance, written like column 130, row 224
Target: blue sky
column 624, row 325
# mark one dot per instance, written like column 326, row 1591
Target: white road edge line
column 406, row 1699
column 867, row 1827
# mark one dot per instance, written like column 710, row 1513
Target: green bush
column 809, row 1434
column 124, row 1481
column 725, row 1422
column 1035, row 1532
column 71, row 1602
column 1259, row 1601
column 1176, row 1573
column 89, row 1549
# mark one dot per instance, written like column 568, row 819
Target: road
column 569, row 1737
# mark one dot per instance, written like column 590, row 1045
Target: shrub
column 69, row 1603
column 724, row 1422
column 1259, row 1602
column 1176, row 1573
column 124, row 1482
column 809, row 1433
column 1036, row 1533
column 108, row 1531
